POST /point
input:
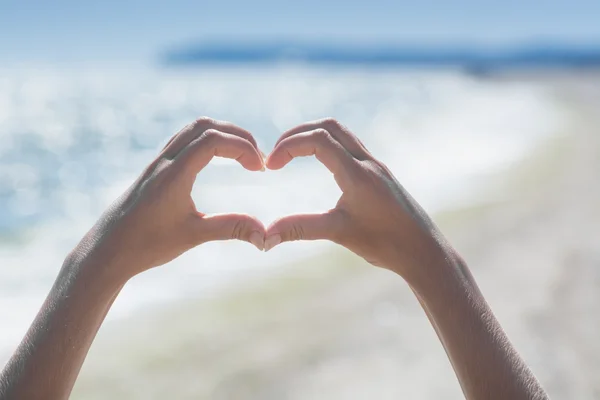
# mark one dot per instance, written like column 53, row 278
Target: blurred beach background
column 489, row 114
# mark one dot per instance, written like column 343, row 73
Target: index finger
column 338, row 131
column 194, row 130
column 212, row 143
column 323, row 146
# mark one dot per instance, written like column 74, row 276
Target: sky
column 130, row 31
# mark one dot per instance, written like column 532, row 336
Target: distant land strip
column 527, row 56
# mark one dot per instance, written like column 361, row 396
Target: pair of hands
column 156, row 220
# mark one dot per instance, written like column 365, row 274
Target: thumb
column 304, row 227
column 232, row 226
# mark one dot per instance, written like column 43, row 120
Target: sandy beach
column 336, row 328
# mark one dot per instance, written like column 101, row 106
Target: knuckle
column 296, row 232
column 237, row 230
column 203, row 122
column 210, row 136
column 241, row 228
column 376, row 168
column 331, row 123
column 322, row 135
column 155, row 168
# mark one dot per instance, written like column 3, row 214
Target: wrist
column 94, row 271
column 431, row 265
column 445, row 277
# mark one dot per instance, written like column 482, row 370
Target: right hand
column 375, row 217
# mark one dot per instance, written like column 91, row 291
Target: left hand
column 156, row 220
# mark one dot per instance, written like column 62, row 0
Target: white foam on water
column 72, row 141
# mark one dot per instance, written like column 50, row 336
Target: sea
column 72, row 139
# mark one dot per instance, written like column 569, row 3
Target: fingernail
column 257, row 239
column 272, row 241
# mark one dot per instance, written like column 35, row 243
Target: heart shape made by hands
column 370, row 213
column 257, row 193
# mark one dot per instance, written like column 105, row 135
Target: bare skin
column 379, row 221
column 153, row 222
column 156, row 220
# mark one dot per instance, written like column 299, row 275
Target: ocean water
column 71, row 140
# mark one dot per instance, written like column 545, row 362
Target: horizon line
column 538, row 54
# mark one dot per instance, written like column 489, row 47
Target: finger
column 346, row 138
column 170, row 141
column 194, row 130
column 328, row 226
column 319, row 143
column 215, row 143
column 230, row 226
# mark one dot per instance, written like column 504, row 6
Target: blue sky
column 112, row 30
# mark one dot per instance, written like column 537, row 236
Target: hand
column 156, row 220
column 375, row 217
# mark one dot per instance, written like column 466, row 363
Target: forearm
column 152, row 223
column 50, row 356
column 485, row 362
